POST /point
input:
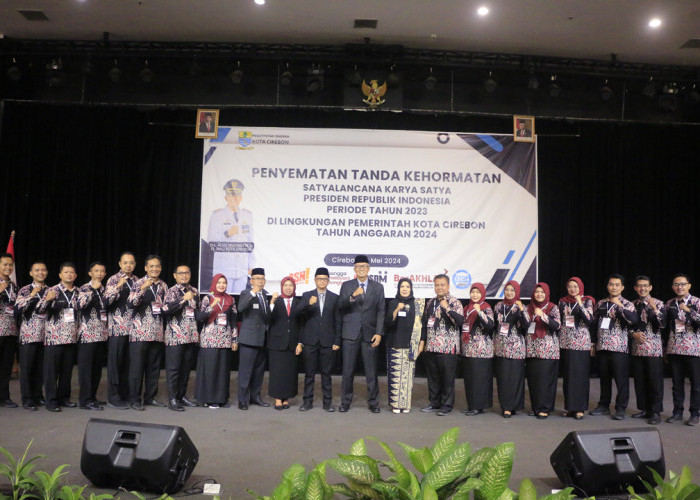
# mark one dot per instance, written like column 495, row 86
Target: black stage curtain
column 85, row 182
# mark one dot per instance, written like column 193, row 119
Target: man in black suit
column 522, row 130
column 361, row 304
column 254, row 313
column 207, row 126
column 320, row 337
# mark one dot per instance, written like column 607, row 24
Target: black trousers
column 58, row 371
column 541, row 377
column 318, row 358
column 614, row 365
column 251, row 372
column 510, row 383
column 441, row 370
column 144, row 362
column 351, row 350
column 90, row 356
column 8, row 347
column 118, row 369
column 179, row 361
column 31, row 371
column 682, row 367
column 576, row 379
column 648, row 374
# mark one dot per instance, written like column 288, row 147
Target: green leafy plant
column 678, row 487
column 19, row 472
column 445, row 470
column 47, row 484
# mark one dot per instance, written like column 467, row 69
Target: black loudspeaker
column 600, row 462
column 143, row 457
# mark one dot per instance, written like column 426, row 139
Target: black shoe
column 155, row 402
column 676, row 417
column 306, row 406
column 542, row 415
column 67, row 403
column 101, row 403
column 444, row 411
column 8, row 403
column 531, row 413
column 429, row 408
column 29, row 406
column 343, row 409
column 328, row 408
column 259, row 402
column 374, row 409
column 693, row 420
column 118, row 405
column 242, row 406
column 471, row 413
column 174, row 405
column 53, row 408
column 619, row 415
column 507, row 414
column 136, row 406
column 578, row 415
column 41, row 402
column 90, row 405
column 186, row 402
column 641, row 414
column 601, row 410
column 654, row 419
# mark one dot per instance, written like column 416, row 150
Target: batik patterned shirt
column 63, row 317
column 684, row 336
column 93, row 309
column 8, row 325
column 478, row 342
column 181, row 325
column 650, row 324
column 120, row 316
column 214, row 334
column 546, row 347
column 147, row 306
column 577, row 337
column 614, row 338
column 442, row 327
column 33, row 321
column 509, row 345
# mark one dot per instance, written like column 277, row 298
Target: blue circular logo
column 443, row 138
column 462, row 279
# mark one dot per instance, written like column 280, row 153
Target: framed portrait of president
column 207, row 126
column 523, row 128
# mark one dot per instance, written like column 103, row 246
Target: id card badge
column 605, row 323
column 256, row 306
column 189, row 312
column 680, row 326
column 402, row 314
column 155, row 308
column 569, row 321
column 465, row 327
column 431, row 321
column 504, row 328
column 103, row 316
column 68, row 315
column 221, row 320
column 531, row 328
column 9, row 311
column 41, row 317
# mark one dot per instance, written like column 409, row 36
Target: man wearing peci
column 230, row 238
column 361, row 304
column 320, row 338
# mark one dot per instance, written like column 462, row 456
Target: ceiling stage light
column 482, row 11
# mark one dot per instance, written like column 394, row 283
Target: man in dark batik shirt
column 8, row 328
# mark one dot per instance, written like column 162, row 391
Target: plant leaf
column 296, row 478
column 402, row 475
column 353, row 469
column 389, row 490
column 358, row 448
column 283, row 491
column 477, row 460
column 364, row 490
column 527, row 490
column 343, row 489
column 685, row 478
column 367, row 460
column 496, row 472
column 689, row 492
column 315, row 487
column 429, row 492
column 421, row 458
column 448, row 468
column 445, row 443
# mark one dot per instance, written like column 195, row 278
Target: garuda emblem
column 374, row 93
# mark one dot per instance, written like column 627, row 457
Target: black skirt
column 542, row 383
column 510, row 379
column 577, row 366
column 284, row 379
column 213, row 375
column 478, row 382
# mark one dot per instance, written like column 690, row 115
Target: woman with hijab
column 283, row 344
column 403, row 332
column 509, row 350
column 218, row 337
column 477, row 351
column 542, row 349
column 576, row 312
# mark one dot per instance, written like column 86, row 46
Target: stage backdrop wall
column 416, row 203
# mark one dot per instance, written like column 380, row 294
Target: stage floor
column 251, row 449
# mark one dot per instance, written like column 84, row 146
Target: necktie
column 363, row 287
column 262, row 301
column 321, row 299
column 288, row 301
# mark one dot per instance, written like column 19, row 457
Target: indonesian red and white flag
column 11, row 251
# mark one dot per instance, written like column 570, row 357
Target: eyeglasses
column 680, row 285
column 318, row 278
column 183, row 272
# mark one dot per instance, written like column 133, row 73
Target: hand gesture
column 336, row 347
column 233, row 231
column 616, row 301
column 95, row 284
column 274, row 297
column 650, row 303
column 520, row 305
column 312, row 300
column 477, row 308
column 685, row 307
column 146, row 284
column 297, row 351
column 444, row 304
column 188, row 295
column 400, row 306
column 215, row 301
column 539, row 312
column 35, row 291
column 51, row 294
column 639, row 337
column 358, row 291
column 121, row 282
column 3, row 285
column 578, row 299
column 234, row 347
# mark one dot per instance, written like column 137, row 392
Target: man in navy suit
column 320, row 337
column 254, row 313
column 361, row 304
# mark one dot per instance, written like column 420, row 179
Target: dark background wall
column 84, row 183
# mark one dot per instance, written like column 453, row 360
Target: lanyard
column 155, row 293
column 66, row 296
column 505, row 315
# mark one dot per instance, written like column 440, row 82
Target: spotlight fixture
column 554, row 88
column 115, row 74
column 430, row 82
column 13, row 72
column 146, row 74
column 259, row 2
column 55, row 77
column 605, row 91
column 490, row 83
column 649, row 89
column 482, row 11
column 315, row 81
column 286, row 77
column 237, row 74
column 654, row 22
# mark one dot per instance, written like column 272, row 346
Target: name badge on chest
column 156, row 309
column 256, row 306
column 605, row 323
column 402, row 314
column 221, row 320
column 680, row 326
column 569, row 321
column 504, row 328
column 9, row 310
column 465, row 327
column 431, row 321
column 189, row 312
column 40, row 317
column 103, row 316
column 531, row 328
column 68, row 315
